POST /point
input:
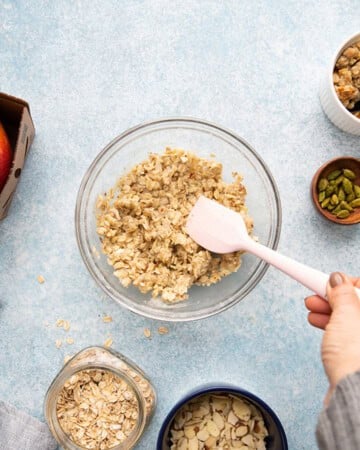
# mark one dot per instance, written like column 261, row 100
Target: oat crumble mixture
column 141, row 223
column 346, row 78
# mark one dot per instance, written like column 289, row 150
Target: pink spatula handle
column 311, row 278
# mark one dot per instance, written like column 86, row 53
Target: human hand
column 340, row 318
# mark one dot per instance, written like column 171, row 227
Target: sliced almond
column 241, row 409
column 241, row 431
column 177, row 434
column 210, row 442
column 205, row 406
column 260, row 428
column 218, row 420
column 193, row 443
column 221, row 404
column 194, row 422
column 227, row 431
column 189, row 432
column 260, row 445
column 203, row 434
column 248, row 440
column 251, row 425
column 239, row 444
column 182, row 444
column 232, row 419
column 200, row 412
column 212, row 428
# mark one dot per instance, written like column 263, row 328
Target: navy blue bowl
column 276, row 439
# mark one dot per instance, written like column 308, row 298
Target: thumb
column 341, row 292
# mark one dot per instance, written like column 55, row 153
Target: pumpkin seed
column 349, row 174
column 329, row 190
column 345, row 205
column 341, row 194
column 339, row 180
column 325, row 203
column 347, row 185
column 355, row 203
column 334, row 200
column 337, row 209
column 321, row 196
column 343, row 214
column 334, row 174
column 357, row 190
column 322, row 185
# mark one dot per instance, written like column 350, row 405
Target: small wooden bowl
column 343, row 162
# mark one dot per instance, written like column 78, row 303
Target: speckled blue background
column 92, row 69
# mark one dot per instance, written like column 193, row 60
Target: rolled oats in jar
column 99, row 400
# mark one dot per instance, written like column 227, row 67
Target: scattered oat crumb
column 69, row 341
column 212, row 155
column 107, row 319
column 65, row 324
column 58, row 343
column 108, row 342
column 147, row 333
column 67, row 358
column 41, row 279
column 163, row 330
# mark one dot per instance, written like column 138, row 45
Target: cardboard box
column 16, row 119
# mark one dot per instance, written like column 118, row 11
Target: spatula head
column 215, row 227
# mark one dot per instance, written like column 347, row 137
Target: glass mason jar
column 107, row 361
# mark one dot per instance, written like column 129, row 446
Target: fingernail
column 336, row 279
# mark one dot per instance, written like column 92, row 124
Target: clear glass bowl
column 204, row 139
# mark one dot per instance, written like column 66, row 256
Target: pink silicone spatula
column 222, row 230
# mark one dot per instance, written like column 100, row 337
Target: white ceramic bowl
column 330, row 102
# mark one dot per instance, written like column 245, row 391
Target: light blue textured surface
column 92, row 69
